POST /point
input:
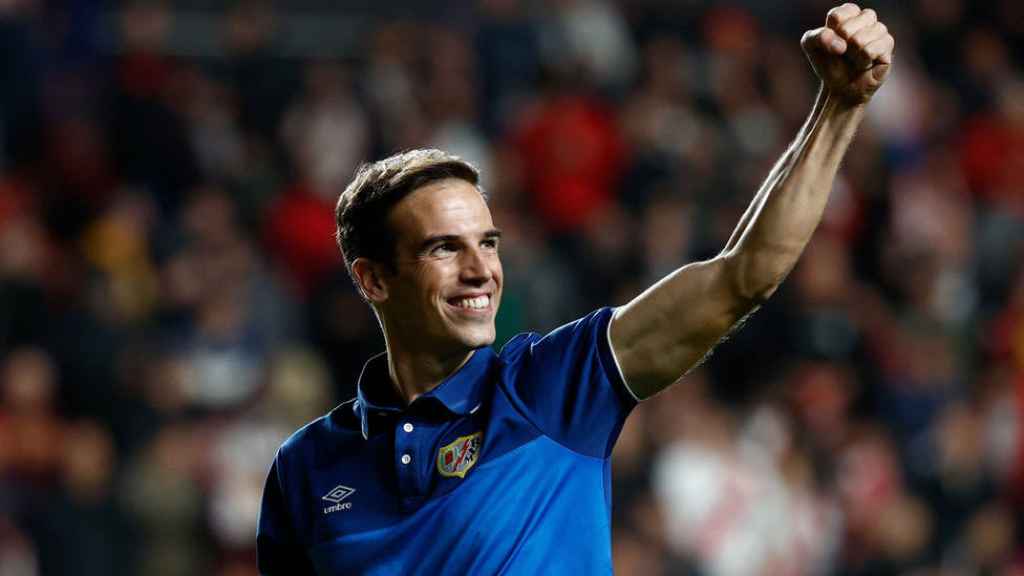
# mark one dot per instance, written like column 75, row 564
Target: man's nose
column 475, row 268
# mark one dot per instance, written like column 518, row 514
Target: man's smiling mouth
column 479, row 302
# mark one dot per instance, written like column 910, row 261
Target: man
column 454, row 459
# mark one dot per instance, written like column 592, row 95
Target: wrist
column 836, row 102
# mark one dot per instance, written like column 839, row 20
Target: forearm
column 667, row 329
column 780, row 220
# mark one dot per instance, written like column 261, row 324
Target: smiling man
column 456, row 459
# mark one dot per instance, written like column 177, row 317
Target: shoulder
column 573, row 350
column 594, row 324
column 324, row 435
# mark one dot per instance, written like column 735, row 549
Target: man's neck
column 415, row 373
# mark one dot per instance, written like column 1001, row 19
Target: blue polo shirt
column 503, row 468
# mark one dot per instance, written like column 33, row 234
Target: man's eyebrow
column 442, row 238
column 437, row 239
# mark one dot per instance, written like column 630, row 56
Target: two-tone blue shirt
column 503, row 468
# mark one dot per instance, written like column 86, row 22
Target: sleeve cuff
column 614, row 360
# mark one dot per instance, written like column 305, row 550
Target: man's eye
column 444, row 248
column 490, row 243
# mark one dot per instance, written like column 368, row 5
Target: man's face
column 447, row 283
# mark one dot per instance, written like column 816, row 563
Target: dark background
column 172, row 304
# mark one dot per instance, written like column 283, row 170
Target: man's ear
column 370, row 276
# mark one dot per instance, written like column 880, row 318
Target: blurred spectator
column 325, row 130
column 116, row 245
column 886, row 528
column 744, row 503
column 326, row 134
column 30, row 426
column 80, row 529
column 17, row 557
column 992, row 149
column 297, row 390
column 149, row 136
column 163, row 499
column 508, row 47
column 216, row 136
column 239, row 314
column 392, row 86
column 27, row 257
column 264, row 81
column 571, row 154
column 451, row 103
column 590, row 35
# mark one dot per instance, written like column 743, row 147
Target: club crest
column 457, row 458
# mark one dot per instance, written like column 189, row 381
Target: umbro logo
column 336, row 496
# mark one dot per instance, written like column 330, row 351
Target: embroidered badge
column 457, row 458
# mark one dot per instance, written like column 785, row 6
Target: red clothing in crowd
column 300, row 231
column 572, row 157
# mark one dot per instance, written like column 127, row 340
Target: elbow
column 757, row 293
column 754, row 278
column 757, row 298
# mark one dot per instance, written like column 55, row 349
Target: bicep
column 662, row 333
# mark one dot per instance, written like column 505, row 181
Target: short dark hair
column 363, row 208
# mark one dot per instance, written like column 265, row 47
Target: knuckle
column 870, row 14
column 883, row 28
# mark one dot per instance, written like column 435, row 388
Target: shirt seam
column 615, row 359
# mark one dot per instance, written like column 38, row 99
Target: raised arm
column 669, row 328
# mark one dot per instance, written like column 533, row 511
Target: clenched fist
column 851, row 54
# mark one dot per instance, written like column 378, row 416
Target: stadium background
column 172, row 304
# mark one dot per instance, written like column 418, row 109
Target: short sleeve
column 569, row 384
column 277, row 549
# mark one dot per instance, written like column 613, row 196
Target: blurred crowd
column 172, row 303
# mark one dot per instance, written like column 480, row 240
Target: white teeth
column 478, row 303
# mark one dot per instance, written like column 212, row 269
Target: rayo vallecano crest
column 457, row 458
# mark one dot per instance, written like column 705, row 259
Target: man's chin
column 481, row 342
column 477, row 338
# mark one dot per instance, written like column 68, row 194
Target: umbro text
column 337, row 507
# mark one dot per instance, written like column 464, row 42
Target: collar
column 459, row 393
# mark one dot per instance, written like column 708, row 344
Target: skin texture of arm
column 671, row 326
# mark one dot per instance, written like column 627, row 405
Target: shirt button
column 407, row 427
column 406, row 458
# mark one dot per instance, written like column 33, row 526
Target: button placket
column 406, row 459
